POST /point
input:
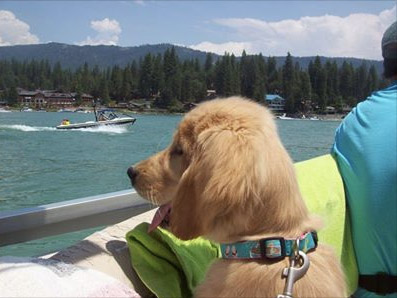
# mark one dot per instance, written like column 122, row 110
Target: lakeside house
column 275, row 102
column 51, row 99
column 330, row 110
column 211, row 94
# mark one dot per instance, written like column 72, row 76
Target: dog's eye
column 177, row 151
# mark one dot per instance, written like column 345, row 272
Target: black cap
column 389, row 42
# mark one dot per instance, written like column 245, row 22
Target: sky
column 303, row 28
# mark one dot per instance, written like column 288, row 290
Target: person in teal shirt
column 365, row 150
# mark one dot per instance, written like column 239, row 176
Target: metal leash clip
column 299, row 264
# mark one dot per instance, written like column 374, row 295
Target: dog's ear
column 185, row 207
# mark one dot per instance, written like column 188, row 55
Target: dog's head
column 226, row 174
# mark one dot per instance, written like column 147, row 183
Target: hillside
column 72, row 56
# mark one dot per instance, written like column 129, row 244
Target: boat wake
column 110, row 129
column 27, row 128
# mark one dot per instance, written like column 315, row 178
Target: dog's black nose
column 132, row 173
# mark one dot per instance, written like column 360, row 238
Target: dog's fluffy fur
column 229, row 178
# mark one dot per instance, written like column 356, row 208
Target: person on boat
column 65, row 122
column 365, row 150
column 102, row 117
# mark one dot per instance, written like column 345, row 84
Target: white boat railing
column 68, row 216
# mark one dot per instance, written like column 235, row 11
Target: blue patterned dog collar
column 268, row 248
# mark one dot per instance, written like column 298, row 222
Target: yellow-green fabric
column 322, row 189
column 170, row 267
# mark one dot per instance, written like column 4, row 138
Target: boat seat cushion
column 323, row 191
column 38, row 277
column 106, row 251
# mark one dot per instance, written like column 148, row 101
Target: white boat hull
column 90, row 124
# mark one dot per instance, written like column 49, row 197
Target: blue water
column 41, row 165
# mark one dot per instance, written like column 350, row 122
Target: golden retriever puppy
column 226, row 176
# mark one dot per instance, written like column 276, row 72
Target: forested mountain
column 72, row 56
column 171, row 81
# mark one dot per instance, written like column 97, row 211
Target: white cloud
column 140, row 2
column 106, row 26
column 235, row 48
column 107, row 33
column 14, row 31
column 356, row 35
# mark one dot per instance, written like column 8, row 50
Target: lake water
column 40, row 164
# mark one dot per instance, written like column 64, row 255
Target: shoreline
column 320, row 117
column 323, row 117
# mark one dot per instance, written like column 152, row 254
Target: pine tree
column 157, row 75
column 208, row 62
column 209, row 71
column 305, row 90
column 146, row 77
column 104, row 91
column 260, row 78
column 372, row 82
column 360, row 77
column 316, row 76
column 12, row 96
column 247, row 75
column 235, row 79
column 346, row 83
column 127, row 84
column 135, row 78
column 171, row 92
column 274, row 77
column 116, row 84
column 219, row 80
column 331, row 70
column 288, row 84
column 322, row 89
column 86, row 80
column 44, row 76
column 228, row 76
column 186, row 87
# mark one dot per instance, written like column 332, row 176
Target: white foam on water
column 111, row 129
column 27, row 128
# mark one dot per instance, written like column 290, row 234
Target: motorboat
column 102, row 118
column 26, row 109
column 284, row 117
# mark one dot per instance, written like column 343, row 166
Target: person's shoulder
column 380, row 99
column 390, row 90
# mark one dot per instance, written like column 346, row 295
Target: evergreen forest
column 170, row 82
